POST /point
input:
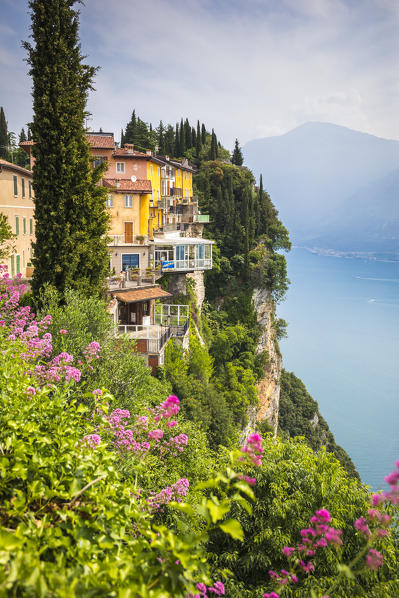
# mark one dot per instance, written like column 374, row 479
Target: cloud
column 247, row 70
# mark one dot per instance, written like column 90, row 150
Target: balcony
column 168, row 321
column 182, row 254
column 123, row 240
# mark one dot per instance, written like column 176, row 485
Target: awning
column 138, row 295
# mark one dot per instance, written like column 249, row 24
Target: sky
column 247, row 68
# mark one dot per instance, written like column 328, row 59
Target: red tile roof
column 101, row 141
column 139, row 186
column 11, row 166
column 26, row 143
column 122, row 151
column 134, row 296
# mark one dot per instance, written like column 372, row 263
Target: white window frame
column 128, row 201
column 109, row 203
column 122, row 254
column 120, row 167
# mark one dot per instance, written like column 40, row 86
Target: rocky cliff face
column 269, row 387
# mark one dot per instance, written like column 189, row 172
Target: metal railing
column 125, row 240
column 150, row 339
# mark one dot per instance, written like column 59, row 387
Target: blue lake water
column 343, row 342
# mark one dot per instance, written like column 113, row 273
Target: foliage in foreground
column 97, row 501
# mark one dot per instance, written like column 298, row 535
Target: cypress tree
column 177, row 142
column 3, row 135
column 161, row 138
column 122, row 138
column 203, row 134
column 193, row 137
column 170, row 141
column 71, row 220
column 198, row 139
column 131, row 129
column 187, row 134
column 22, row 136
column 214, row 146
column 237, row 157
column 182, row 139
column 29, row 134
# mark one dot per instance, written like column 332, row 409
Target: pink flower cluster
column 174, row 492
column 92, row 351
column 253, row 449
column 167, row 409
column 92, row 440
column 58, row 369
column 318, row 535
column 216, row 590
column 138, row 438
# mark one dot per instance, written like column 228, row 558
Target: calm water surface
column 343, row 342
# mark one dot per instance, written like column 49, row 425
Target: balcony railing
column 150, row 339
column 176, row 317
column 126, row 240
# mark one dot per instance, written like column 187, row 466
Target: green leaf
column 8, row 540
column 217, row 511
column 233, row 528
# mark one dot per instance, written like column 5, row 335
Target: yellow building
column 16, row 202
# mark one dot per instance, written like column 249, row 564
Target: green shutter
column 12, row 266
column 23, row 187
column 18, row 264
column 24, row 223
column 17, row 225
column 30, row 226
column 15, row 184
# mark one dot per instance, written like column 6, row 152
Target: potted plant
column 140, row 239
column 134, row 273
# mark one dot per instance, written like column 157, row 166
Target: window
column 180, row 252
column 30, row 188
column 24, row 224
column 17, row 225
column 31, row 226
column 120, row 167
column 151, row 169
column 109, row 202
column 130, row 260
column 15, row 179
column 128, row 201
column 23, row 187
column 97, row 161
column 185, row 175
column 158, row 171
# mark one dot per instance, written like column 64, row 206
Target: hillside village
column 156, row 226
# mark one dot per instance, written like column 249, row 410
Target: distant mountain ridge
column 335, row 188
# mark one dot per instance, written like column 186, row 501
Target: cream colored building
column 16, row 202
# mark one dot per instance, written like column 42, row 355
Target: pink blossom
column 63, row 331
column 374, row 559
column 31, row 390
column 92, row 440
column 155, row 434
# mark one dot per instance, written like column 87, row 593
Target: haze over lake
column 343, row 342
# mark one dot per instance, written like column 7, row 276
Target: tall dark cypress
column 178, row 153
column 122, row 138
column 187, row 134
column 214, row 146
column 3, row 135
column 182, row 139
column 193, row 137
column 71, row 219
column 170, row 141
column 198, row 139
column 203, row 134
column 161, row 138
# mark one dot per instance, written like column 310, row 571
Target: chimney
column 129, row 147
column 167, row 158
column 149, row 153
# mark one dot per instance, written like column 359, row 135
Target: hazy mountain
column 332, row 184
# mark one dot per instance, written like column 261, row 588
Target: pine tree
column 29, row 134
column 22, row 158
column 214, row 146
column 71, row 220
column 237, row 157
column 131, row 129
column 3, row 135
column 22, row 136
